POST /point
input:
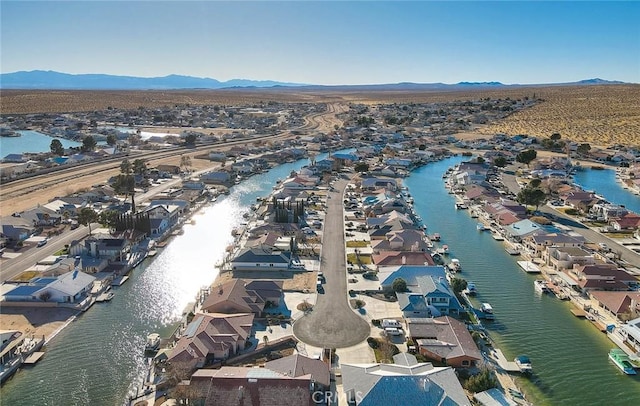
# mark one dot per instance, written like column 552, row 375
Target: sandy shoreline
column 37, row 321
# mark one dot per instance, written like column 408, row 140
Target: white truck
column 390, row 323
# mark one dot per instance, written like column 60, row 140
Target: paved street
column 332, row 323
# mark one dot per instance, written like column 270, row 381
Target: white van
column 391, row 323
column 392, row 331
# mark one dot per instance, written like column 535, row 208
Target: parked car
column 43, row 242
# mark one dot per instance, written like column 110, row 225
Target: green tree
column 185, row 162
column 88, row 143
column 531, row 197
column 399, row 285
column 583, row 149
column 458, row 285
column 481, row 381
column 361, row 167
column 56, row 147
column 527, row 156
column 86, row 216
column 190, row 139
column 500, row 162
column 111, row 140
column 125, row 183
column 139, row 167
column 108, row 218
column 555, row 136
column 535, row 183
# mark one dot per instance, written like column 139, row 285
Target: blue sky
column 338, row 42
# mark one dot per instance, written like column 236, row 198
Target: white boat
column 541, row 286
column 471, row 289
column 153, row 343
column 487, row 311
column 481, row 227
column 454, row 265
column 524, row 363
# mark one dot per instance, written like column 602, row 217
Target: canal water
column 30, row 141
column 569, row 355
column 98, row 356
column 604, row 183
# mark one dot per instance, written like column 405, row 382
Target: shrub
column 481, row 381
column 373, row 343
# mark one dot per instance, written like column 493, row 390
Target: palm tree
column 125, row 182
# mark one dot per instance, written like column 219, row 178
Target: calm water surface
column 97, row 357
column 603, row 182
column 30, row 141
column 569, row 355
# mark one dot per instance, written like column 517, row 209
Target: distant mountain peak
column 598, row 81
column 479, row 84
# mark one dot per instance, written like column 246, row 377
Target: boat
column 153, row 343
column 621, row 359
column 474, row 215
column 461, row 206
column 497, row 236
column 487, row 311
column 471, row 289
column 541, row 286
column 444, row 250
column 454, row 265
column 435, row 237
column 481, row 227
column 524, row 363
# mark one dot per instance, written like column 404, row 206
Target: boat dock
column 33, row 358
column 119, row 281
column 529, row 267
column 509, row 366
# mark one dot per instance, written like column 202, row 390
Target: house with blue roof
column 428, row 297
column 70, row 287
column 406, row 382
column 523, row 228
column 409, row 273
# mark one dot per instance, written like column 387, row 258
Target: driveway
column 332, row 323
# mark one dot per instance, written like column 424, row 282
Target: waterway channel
column 97, row 357
column 604, row 183
column 569, row 355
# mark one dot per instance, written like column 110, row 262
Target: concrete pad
column 11, row 255
column 358, row 354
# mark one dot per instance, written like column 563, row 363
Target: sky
column 330, row 42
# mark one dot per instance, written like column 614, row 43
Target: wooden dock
column 529, row 267
column 509, row 366
column 579, row 312
column 33, row 358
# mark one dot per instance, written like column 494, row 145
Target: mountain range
column 39, row 79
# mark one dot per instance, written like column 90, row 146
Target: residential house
column 567, row 257
column 631, row 333
column 393, row 258
column 297, row 365
column 444, row 340
column 408, row 273
column 216, row 178
column 617, row 303
column 374, row 183
column 212, row 336
column 261, row 258
column 17, row 228
column 521, row 229
column 607, row 211
column 626, row 222
column 235, row 386
column 538, row 243
column 71, row 287
column 428, row 297
column 401, row 240
column 238, row 296
column 406, row 382
column 601, row 276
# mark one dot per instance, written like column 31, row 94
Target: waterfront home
column 375, row 183
column 521, row 229
column 617, row 304
column 388, row 205
column 297, row 365
column 469, row 173
column 210, row 337
column 560, row 258
column 10, row 341
column 601, row 276
column 401, row 240
column 409, row 273
column 607, row 211
column 71, row 287
column 233, row 386
column 299, row 182
column 102, row 246
column 388, row 218
column 428, row 297
column 580, row 200
column 444, row 339
column 216, row 178
column 393, row 258
column 238, row 296
column 538, row 243
column 406, row 382
column 261, row 258
column 626, row 222
column 630, row 333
